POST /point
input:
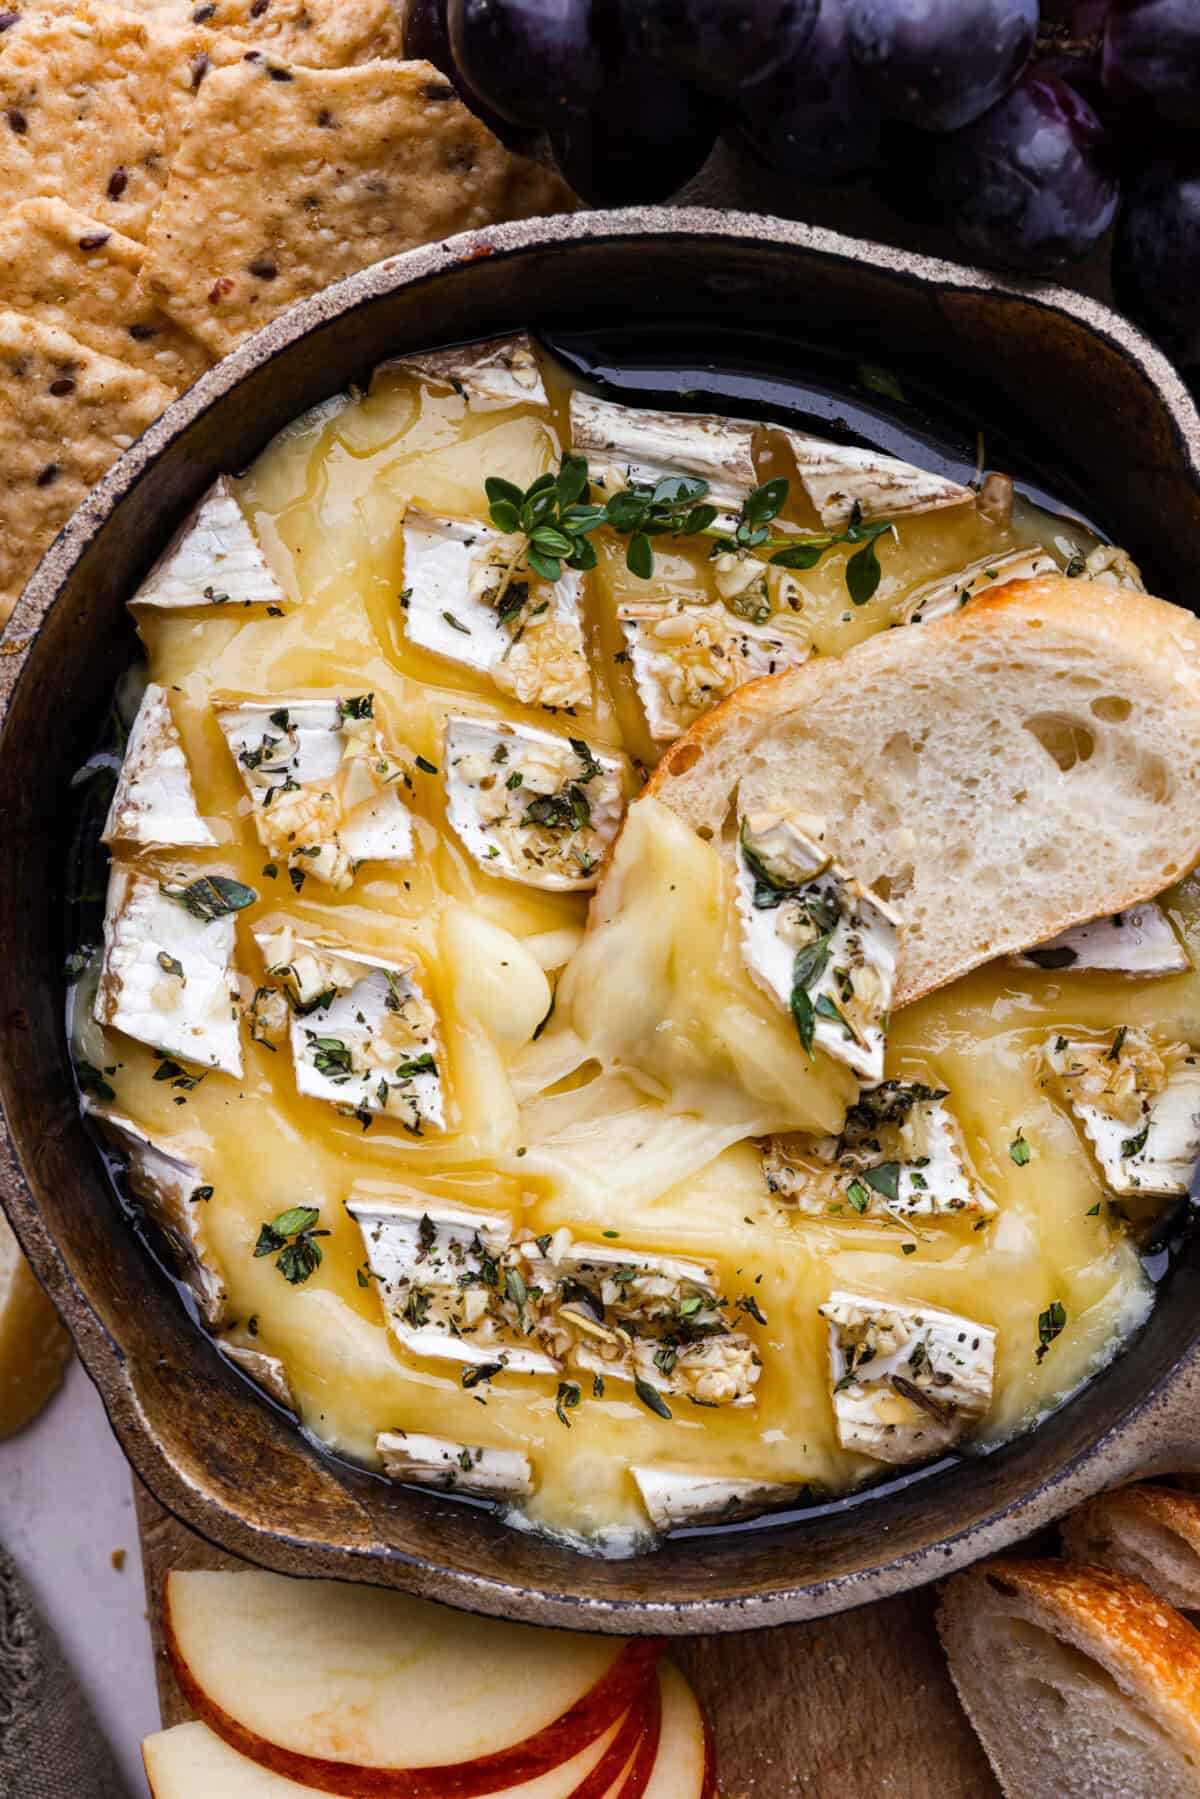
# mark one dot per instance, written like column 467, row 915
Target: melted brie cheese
column 630, row 1115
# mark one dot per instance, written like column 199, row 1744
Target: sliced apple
column 633, row 1780
column 392, row 1698
column 193, row 1762
column 684, row 1767
column 34, row 1347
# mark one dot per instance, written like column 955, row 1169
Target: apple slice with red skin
column 632, row 1783
column 684, row 1767
column 331, row 1685
column 193, row 1762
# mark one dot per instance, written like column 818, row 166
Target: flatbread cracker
column 66, row 413
column 65, row 269
column 92, row 101
column 286, row 180
column 317, row 34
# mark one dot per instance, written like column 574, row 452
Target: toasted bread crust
column 1151, row 1651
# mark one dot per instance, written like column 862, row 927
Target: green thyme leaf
column 212, row 896
column 1019, row 1149
column 1051, row 1323
column 651, row 1398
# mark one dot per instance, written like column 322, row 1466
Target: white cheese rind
column 452, row 571
column 455, row 1467
column 907, row 1380
column 213, row 560
column 1139, row 942
column 921, row 1153
column 326, row 792
column 863, row 942
column 685, row 659
column 266, row 1371
column 154, row 802
column 1155, row 1154
column 486, row 807
column 675, row 1497
column 630, row 446
column 194, row 1016
column 950, row 593
column 166, row 1184
column 497, row 372
column 839, row 478
column 377, row 1028
column 423, row 1246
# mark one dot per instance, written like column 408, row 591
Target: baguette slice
column 1078, row 1682
column 1020, row 766
column 1149, row 1533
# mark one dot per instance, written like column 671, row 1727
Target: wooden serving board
column 854, row 1707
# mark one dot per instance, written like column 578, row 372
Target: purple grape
column 1156, row 256
column 813, row 118
column 939, row 64
column 1028, row 186
column 1152, row 58
column 644, row 136
column 720, row 46
column 532, row 61
column 427, row 39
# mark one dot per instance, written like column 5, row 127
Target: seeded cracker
column 288, row 179
column 319, row 34
column 66, row 413
column 62, row 268
column 92, row 101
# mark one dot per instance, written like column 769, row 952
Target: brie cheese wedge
column 628, row 446
column 498, row 372
column 1139, row 941
column 213, row 560
column 363, row 1035
column 455, row 1467
column 173, row 1192
column 1139, row 1105
column 530, row 805
column 325, row 790
column 949, row 593
column 524, row 633
column 154, row 802
column 900, row 1153
column 907, row 1380
column 686, row 658
column 435, row 1265
column 674, row 1497
column 168, row 977
column 841, row 479
column 816, row 940
column 266, row 1371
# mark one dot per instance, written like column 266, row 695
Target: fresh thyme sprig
column 555, row 520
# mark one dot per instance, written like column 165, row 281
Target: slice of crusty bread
column 999, row 774
column 1081, row 1684
column 1150, row 1533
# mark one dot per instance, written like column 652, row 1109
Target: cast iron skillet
column 1094, row 400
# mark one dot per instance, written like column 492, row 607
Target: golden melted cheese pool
column 610, row 1124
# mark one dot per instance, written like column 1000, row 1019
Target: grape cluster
column 1026, row 128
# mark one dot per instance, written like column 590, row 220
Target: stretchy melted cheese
column 636, row 1116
